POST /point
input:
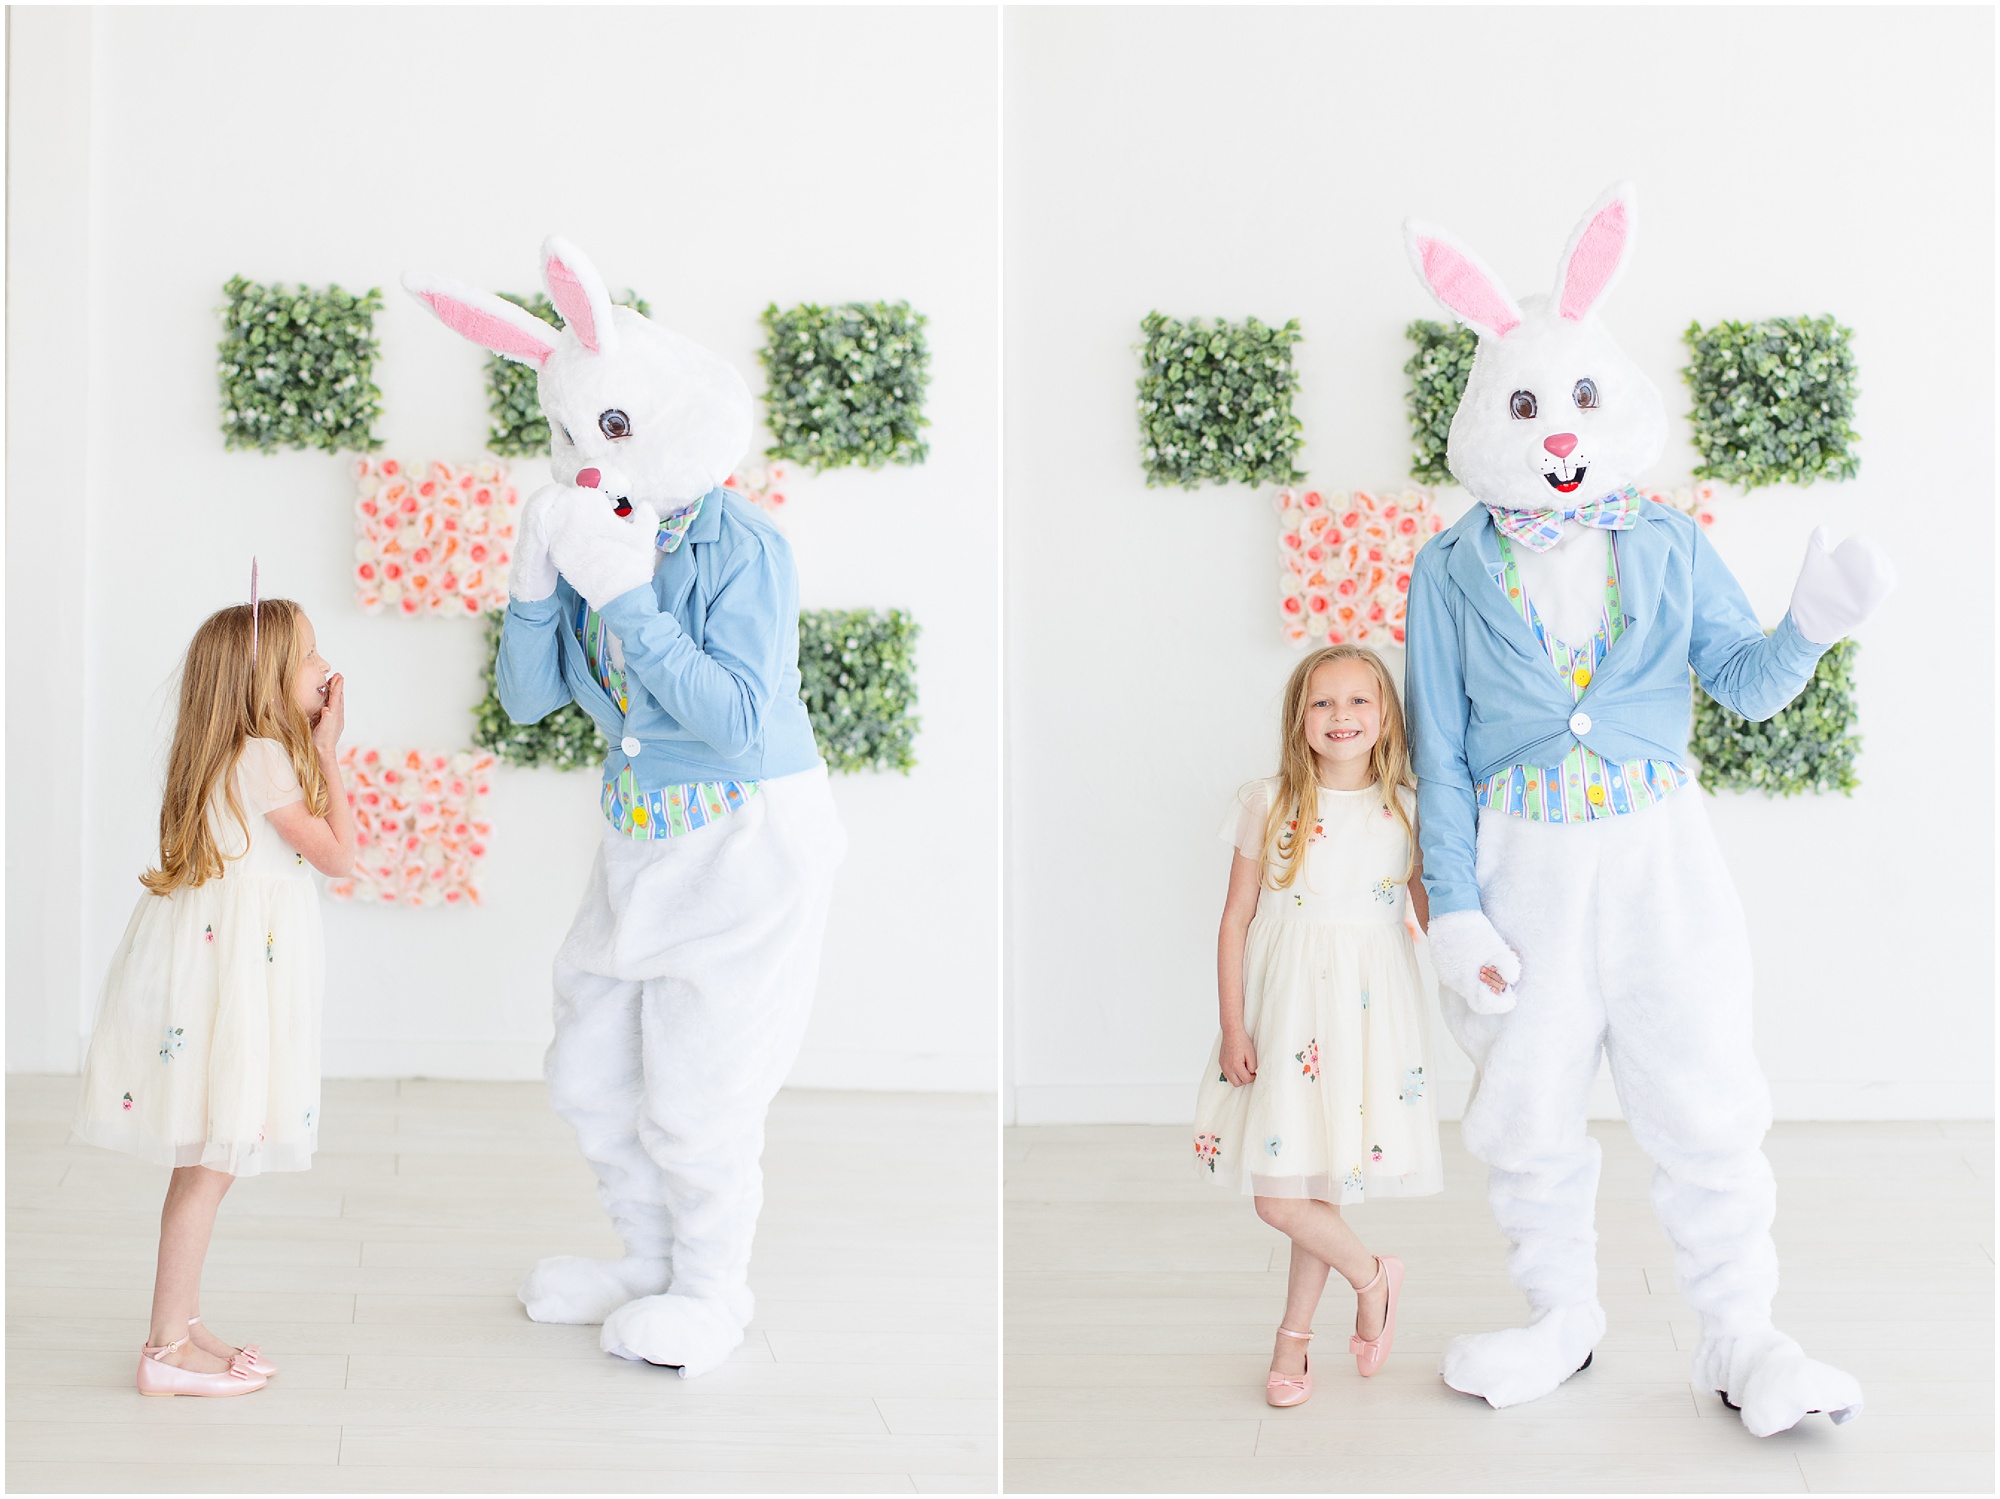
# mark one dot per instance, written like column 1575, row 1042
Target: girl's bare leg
column 1302, row 1293
column 1318, row 1229
column 186, row 1222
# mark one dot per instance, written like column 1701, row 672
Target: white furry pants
column 682, row 994
column 1632, row 942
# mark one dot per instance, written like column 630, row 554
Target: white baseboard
column 1796, row 1099
column 460, row 1060
column 894, row 1072
column 1101, row 1103
column 1173, row 1103
column 521, row 1061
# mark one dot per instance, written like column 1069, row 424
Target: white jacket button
column 630, row 743
column 1579, row 724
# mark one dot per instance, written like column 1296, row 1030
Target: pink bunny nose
column 1562, row 444
column 587, row 478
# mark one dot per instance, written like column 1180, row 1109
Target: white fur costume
column 680, row 1006
column 684, row 986
column 1620, row 936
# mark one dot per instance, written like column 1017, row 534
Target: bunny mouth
column 1565, row 486
column 621, row 505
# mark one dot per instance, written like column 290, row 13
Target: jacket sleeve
column 527, row 673
column 1434, row 678
column 718, row 690
column 1741, row 667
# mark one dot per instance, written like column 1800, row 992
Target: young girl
column 1317, row 1093
column 206, row 1052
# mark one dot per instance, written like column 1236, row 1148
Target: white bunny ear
column 1597, row 251
column 1460, row 280
column 579, row 295
column 489, row 321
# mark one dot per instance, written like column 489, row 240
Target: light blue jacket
column 711, row 658
column 1483, row 694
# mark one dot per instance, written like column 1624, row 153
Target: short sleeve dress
column 206, row 1050
column 1341, row 1109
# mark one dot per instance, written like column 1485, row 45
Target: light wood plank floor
column 382, row 1282
column 1140, row 1303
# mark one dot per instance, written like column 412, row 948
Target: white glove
column 602, row 555
column 1838, row 589
column 1462, row 943
column 533, row 575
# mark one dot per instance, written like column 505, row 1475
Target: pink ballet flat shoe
column 1290, row 1389
column 158, row 1377
column 1369, row 1353
column 251, row 1355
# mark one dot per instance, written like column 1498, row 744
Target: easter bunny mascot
column 653, row 597
column 1551, row 632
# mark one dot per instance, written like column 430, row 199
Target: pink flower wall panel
column 420, row 826
column 433, row 538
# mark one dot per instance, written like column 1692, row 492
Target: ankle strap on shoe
column 160, row 1350
column 1303, row 1337
column 193, row 1320
column 1381, row 1269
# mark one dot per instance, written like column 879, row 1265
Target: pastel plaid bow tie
column 674, row 527
column 1538, row 530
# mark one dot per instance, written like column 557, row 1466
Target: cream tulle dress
column 1342, row 1107
column 206, row 1050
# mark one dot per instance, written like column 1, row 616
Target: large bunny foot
column 1462, row 943
column 1768, row 1378
column 570, row 1288
column 1838, row 589
column 691, row 1335
column 1524, row 1363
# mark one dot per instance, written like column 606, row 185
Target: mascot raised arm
column 666, row 607
column 1551, row 633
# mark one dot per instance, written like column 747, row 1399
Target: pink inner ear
column 573, row 303
column 486, row 330
column 1595, row 262
column 1463, row 287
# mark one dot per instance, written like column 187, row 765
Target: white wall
column 1226, row 163
column 716, row 160
column 48, row 383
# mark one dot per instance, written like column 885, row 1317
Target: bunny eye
column 614, row 424
column 1585, row 394
column 1522, row 404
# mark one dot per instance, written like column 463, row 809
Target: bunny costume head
column 1554, row 413
column 634, row 409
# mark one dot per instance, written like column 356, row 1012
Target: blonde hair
column 1295, row 807
column 226, row 698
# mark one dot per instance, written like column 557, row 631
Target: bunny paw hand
column 1462, row 943
column 602, row 555
column 1839, row 587
column 533, row 575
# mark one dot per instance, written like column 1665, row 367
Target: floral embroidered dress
column 1342, row 1107
column 206, row 1050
